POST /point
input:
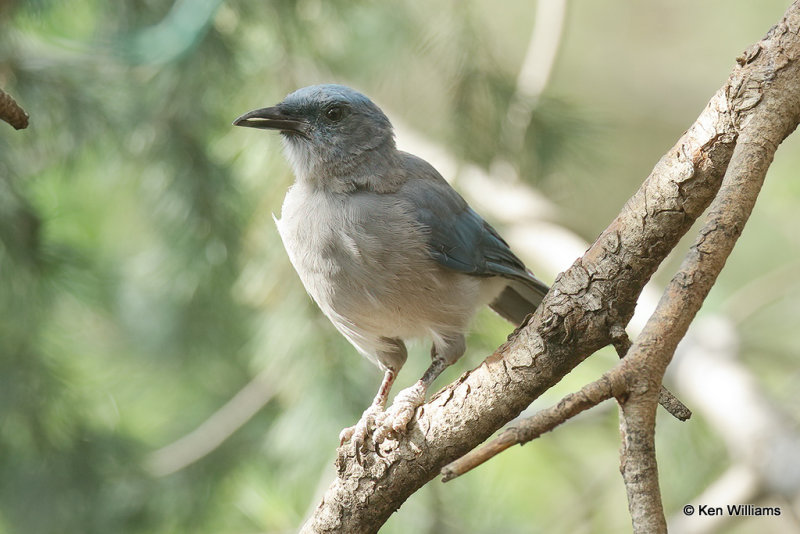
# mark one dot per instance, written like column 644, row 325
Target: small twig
column 11, row 112
column 607, row 386
column 668, row 401
column 592, row 394
column 673, row 405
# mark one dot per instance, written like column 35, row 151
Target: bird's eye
column 334, row 113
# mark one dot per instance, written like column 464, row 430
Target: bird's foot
column 359, row 432
column 400, row 413
column 379, row 423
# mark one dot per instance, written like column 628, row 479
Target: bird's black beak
column 273, row 119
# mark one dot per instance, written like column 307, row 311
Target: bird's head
column 327, row 129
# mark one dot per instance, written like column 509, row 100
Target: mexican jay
column 386, row 248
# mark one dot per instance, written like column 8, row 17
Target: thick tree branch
column 598, row 291
column 11, row 112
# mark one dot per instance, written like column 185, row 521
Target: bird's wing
column 458, row 237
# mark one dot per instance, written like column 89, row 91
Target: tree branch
column 592, row 394
column 622, row 343
column 765, row 93
column 11, row 112
column 574, row 320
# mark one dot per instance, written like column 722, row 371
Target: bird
column 385, row 246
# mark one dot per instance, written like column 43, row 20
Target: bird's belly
column 372, row 274
column 382, row 284
column 379, row 293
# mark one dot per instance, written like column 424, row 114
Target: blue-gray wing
column 458, row 237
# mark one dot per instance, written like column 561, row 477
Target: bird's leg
column 408, row 400
column 386, row 386
column 391, row 356
column 360, row 430
column 405, row 404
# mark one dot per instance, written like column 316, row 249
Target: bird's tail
column 519, row 299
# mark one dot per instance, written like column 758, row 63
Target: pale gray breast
column 354, row 253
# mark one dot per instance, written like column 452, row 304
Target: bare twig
column 11, row 112
column 673, row 405
column 622, row 343
column 592, row 394
column 638, row 458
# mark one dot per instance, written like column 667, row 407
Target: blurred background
column 163, row 370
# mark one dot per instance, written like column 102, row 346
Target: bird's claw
column 380, row 424
column 359, row 432
column 397, row 418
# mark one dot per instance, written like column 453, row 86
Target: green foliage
column 143, row 284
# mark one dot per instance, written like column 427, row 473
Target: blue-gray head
column 327, row 129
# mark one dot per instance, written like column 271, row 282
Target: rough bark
column 597, row 294
column 766, row 93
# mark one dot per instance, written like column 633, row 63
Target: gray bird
column 386, row 248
